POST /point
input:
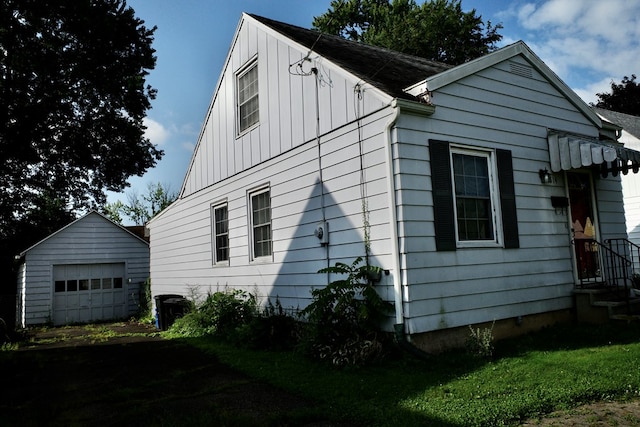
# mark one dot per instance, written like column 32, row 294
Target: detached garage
column 91, row 270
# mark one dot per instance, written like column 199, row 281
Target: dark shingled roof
column 385, row 69
column 628, row 122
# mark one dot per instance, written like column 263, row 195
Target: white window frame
column 494, row 196
column 252, row 225
column 214, row 234
column 243, row 72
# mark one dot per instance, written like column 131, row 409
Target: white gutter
column 420, row 109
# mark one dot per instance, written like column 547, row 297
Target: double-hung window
column 220, row 238
column 473, row 193
column 473, row 197
column 260, row 210
column 247, row 93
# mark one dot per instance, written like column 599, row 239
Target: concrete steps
column 600, row 305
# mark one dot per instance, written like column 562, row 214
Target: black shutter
column 443, row 214
column 507, row 199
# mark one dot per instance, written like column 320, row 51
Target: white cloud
column 550, row 13
column 588, row 93
column 583, row 41
column 156, row 132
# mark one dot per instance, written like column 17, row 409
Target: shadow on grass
column 570, row 337
column 176, row 383
column 411, row 391
column 160, row 382
column 371, row 396
column 142, row 381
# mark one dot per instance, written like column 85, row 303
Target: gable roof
column 396, row 73
column 627, row 122
column 55, row 233
column 388, row 70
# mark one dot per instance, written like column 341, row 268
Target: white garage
column 91, row 270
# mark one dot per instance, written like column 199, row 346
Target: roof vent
column 521, row 70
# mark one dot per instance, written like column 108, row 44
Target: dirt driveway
column 123, row 374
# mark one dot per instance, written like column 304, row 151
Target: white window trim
column 250, row 194
column 212, row 209
column 494, row 191
column 253, row 62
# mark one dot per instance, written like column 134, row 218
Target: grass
column 91, row 333
column 559, row 368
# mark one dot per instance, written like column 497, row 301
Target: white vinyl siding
column 286, row 104
column 181, row 235
column 493, row 109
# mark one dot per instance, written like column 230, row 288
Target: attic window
column 248, row 105
column 521, row 70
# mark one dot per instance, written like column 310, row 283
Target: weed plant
column 344, row 317
column 480, row 341
column 273, row 329
column 144, row 313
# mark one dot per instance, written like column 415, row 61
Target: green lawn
column 557, row 368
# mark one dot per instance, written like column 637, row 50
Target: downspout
column 393, row 221
column 399, row 326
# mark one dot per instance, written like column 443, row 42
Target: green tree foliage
column 72, row 85
column 141, row 209
column 437, row 30
column 624, row 97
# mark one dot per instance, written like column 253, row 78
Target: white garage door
column 88, row 292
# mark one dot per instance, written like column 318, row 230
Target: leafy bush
column 221, row 314
column 273, row 329
column 344, row 317
column 144, row 314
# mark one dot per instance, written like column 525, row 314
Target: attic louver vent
column 521, row 70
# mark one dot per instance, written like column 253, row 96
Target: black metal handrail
column 601, row 265
column 609, row 265
column 628, row 249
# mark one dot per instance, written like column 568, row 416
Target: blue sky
column 587, row 43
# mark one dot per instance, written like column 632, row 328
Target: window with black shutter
column 468, row 186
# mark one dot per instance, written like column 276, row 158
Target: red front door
column 583, row 226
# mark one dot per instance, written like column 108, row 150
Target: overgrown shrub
column 144, row 314
column 344, row 317
column 221, row 314
column 273, row 329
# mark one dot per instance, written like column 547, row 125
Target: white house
column 630, row 137
column 465, row 184
column 90, row 270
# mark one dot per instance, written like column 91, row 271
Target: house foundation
column 448, row 339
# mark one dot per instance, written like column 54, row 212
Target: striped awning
column 571, row 152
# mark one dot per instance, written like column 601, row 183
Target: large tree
column 73, row 97
column 438, row 30
column 624, row 97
